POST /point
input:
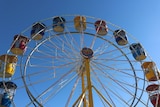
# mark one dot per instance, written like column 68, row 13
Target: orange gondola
column 37, row 31
column 101, row 27
column 19, row 44
column 150, row 71
column 120, row 36
column 137, row 51
column 80, row 23
column 7, row 65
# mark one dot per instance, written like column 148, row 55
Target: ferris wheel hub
column 86, row 53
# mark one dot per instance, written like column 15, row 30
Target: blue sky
column 141, row 18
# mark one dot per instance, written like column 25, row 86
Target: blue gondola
column 7, row 97
column 58, row 24
column 38, row 30
column 137, row 51
column 120, row 36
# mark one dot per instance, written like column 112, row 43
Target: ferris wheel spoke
column 108, row 52
column 123, row 88
column 72, row 91
column 71, row 40
column 111, row 93
column 53, row 84
column 48, row 70
column 44, row 56
column 74, row 44
column 65, row 45
column 119, row 98
column 121, row 81
column 105, row 67
column 100, row 50
column 118, row 84
column 61, row 49
column 50, row 64
column 82, row 43
column 62, row 85
column 102, row 71
column 98, row 79
column 93, row 41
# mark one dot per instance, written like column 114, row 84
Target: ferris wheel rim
column 60, row 34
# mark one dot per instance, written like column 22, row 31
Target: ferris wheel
column 83, row 61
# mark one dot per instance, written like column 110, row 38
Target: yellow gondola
column 7, row 65
column 80, row 23
column 37, row 31
column 150, row 71
column 58, row 24
column 101, row 27
column 120, row 36
column 19, row 44
column 137, row 51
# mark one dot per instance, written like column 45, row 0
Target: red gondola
column 152, row 87
column 155, row 100
column 101, row 27
column 19, row 44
